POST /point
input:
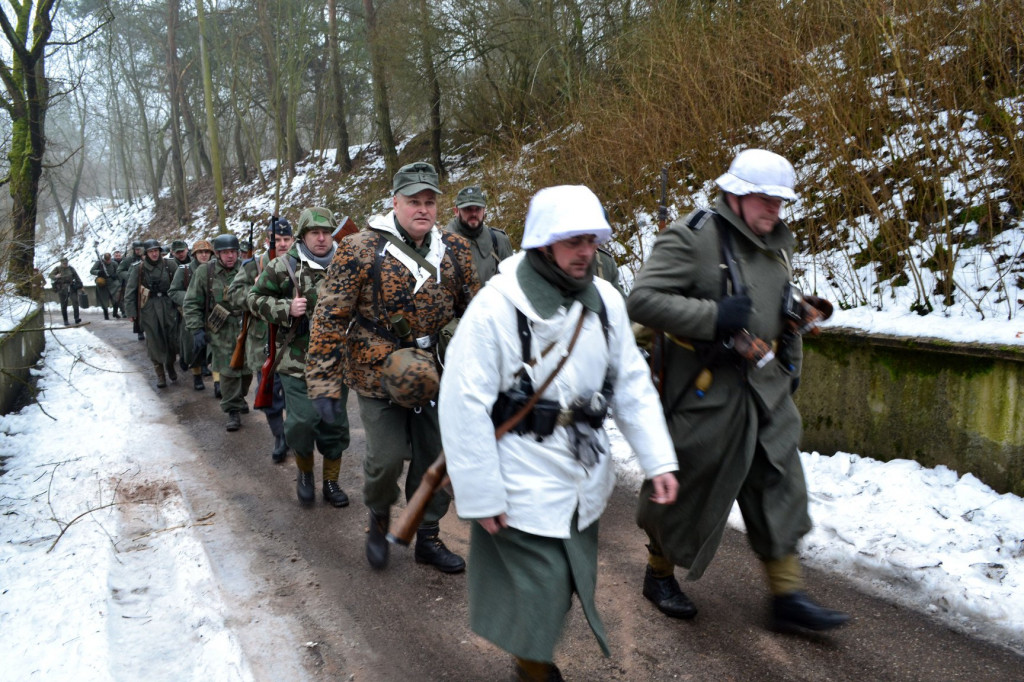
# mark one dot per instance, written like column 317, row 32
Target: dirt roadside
column 305, row 604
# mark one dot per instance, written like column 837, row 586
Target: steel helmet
column 225, row 242
column 410, row 377
column 151, row 244
column 758, row 171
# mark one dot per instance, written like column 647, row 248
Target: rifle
column 658, row 338
column 238, row 354
column 265, row 391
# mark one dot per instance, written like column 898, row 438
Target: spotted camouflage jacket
column 271, row 297
column 370, row 280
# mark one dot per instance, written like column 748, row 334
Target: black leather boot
column 430, row 550
column 216, row 389
column 172, row 374
column 280, row 451
column 106, row 315
column 305, row 488
column 334, row 495
column 795, row 611
column 377, row 546
column 197, row 382
column 666, row 595
column 234, row 421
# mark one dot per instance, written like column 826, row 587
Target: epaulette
column 498, row 229
column 697, row 220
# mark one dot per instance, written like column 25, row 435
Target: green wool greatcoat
column 107, row 293
column 159, row 317
column 204, row 292
column 739, row 440
column 179, row 285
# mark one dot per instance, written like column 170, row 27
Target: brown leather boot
column 161, row 378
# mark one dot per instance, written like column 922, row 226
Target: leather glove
column 733, row 314
column 198, row 341
column 327, row 408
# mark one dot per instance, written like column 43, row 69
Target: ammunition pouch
column 143, row 297
column 218, row 316
column 540, row 421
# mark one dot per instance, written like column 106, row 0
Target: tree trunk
column 211, row 121
column 174, row 97
column 27, row 98
column 341, row 158
column 381, row 105
column 426, row 41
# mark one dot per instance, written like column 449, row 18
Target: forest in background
column 904, row 119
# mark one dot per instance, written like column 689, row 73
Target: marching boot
column 537, row 671
column 66, row 320
column 304, row 487
column 206, row 370
column 216, row 390
column 796, row 611
column 106, row 315
column 197, row 382
column 377, row 539
column 141, row 336
column 666, row 595
column 116, row 315
column 171, row 373
column 161, row 378
column 234, row 421
column 431, row 550
column 280, row 451
column 333, row 494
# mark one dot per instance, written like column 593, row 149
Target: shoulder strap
column 729, row 258
column 409, row 251
column 457, row 267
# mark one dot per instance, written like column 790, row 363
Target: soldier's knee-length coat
column 739, row 438
column 159, row 316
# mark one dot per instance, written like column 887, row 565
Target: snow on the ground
column 102, row 576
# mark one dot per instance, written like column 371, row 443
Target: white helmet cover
column 561, row 212
column 758, row 171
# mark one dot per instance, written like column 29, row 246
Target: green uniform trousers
column 303, row 427
column 395, row 434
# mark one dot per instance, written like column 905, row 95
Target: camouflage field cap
column 179, row 245
column 410, row 377
column 413, row 178
column 202, row 245
column 316, row 218
column 470, row 196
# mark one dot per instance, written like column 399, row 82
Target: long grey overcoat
column 739, row 438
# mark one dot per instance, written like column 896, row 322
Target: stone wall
column 19, row 351
column 929, row 400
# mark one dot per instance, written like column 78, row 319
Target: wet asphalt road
column 305, row 604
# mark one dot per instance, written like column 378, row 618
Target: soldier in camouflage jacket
column 206, row 304
column 258, row 335
column 275, row 299
column 403, row 266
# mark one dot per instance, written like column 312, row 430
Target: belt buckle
column 423, row 342
column 565, row 418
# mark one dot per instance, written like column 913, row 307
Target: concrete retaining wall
column 19, row 351
column 932, row 401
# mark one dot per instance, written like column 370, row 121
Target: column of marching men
column 512, row 362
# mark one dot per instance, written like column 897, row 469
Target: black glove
column 198, row 341
column 327, row 408
column 733, row 314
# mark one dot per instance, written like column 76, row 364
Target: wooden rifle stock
column 265, row 391
column 238, row 354
column 658, row 339
column 346, row 226
column 434, row 478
